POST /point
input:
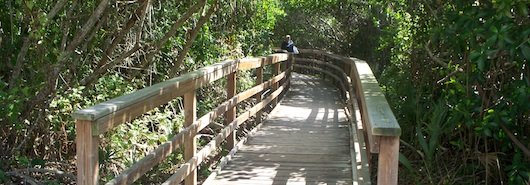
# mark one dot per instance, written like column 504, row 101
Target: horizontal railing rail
column 371, row 117
column 94, row 121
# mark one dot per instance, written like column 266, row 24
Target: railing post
column 276, row 71
column 290, row 63
column 231, row 113
column 387, row 171
column 259, row 80
column 190, row 146
column 87, row 146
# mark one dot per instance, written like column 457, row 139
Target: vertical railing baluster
column 259, row 80
column 276, row 71
column 290, row 63
column 190, row 145
column 87, row 146
column 387, row 171
column 230, row 115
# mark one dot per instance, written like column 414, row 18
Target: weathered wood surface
column 305, row 140
column 379, row 113
column 125, row 108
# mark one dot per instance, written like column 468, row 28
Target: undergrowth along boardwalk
column 305, row 140
column 372, row 126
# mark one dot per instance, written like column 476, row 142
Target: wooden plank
column 290, row 173
column 275, row 71
column 283, row 182
column 190, row 166
column 225, row 159
column 266, row 164
column 87, row 153
column 377, row 115
column 290, row 62
column 365, row 126
column 153, row 158
column 341, row 86
column 387, row 170
column 230, row 115
column 252, row 63
column 259, row 80
column 285, row 157
column 125, row 108
column 161, row 152
column 337, row 69
column 301, row 150
column 201, row 77
column 168, row 92
column 190, row 146
column 325, row 53
column 288, row 152
column 311, row 126
column 362, row 154
column 208, row 74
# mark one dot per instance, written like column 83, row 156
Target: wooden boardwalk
column 305, row 140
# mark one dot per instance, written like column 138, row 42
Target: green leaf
column 487, row 132
column 35, row 162
column 405, row 161
column 23, row 160
column 3, row 176
column 481, row 64
column 474, row 55
column 423, row 143
column 526, row 51
column 29, row 4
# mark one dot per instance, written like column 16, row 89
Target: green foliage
column 3, row 177
column 472, row 56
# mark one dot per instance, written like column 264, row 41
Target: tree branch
column 191, row 39
column 517, row 143
column 179, row 23
column 58, row 173
column 118, row 37
column 450, row 75
column 155, row 47
column 89, row 24
column 28, row 40
column 434, row 58
column 104, row 64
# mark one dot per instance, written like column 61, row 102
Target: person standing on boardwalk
column 288, row 45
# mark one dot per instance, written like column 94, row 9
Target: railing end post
column 87, row 146
column 190, row 146
column 387, row 171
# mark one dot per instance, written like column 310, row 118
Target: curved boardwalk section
column 305, row 140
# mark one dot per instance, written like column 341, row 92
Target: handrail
column 375, row 120
column 96, row 120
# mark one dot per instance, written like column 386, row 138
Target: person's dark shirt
column 288, row 45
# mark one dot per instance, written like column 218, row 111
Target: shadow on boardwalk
column 305, row 140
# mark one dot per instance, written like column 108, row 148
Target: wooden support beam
column 230, row 115
column 290, row 63
column 190, row 146
column 387, row 171
column 354, row 76
column 191, row 164
column 276, row 71
column 259, row 80
column 87, row 153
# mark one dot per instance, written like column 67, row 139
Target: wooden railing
column 370, row 115
column 371, row 118
column 98, row 119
